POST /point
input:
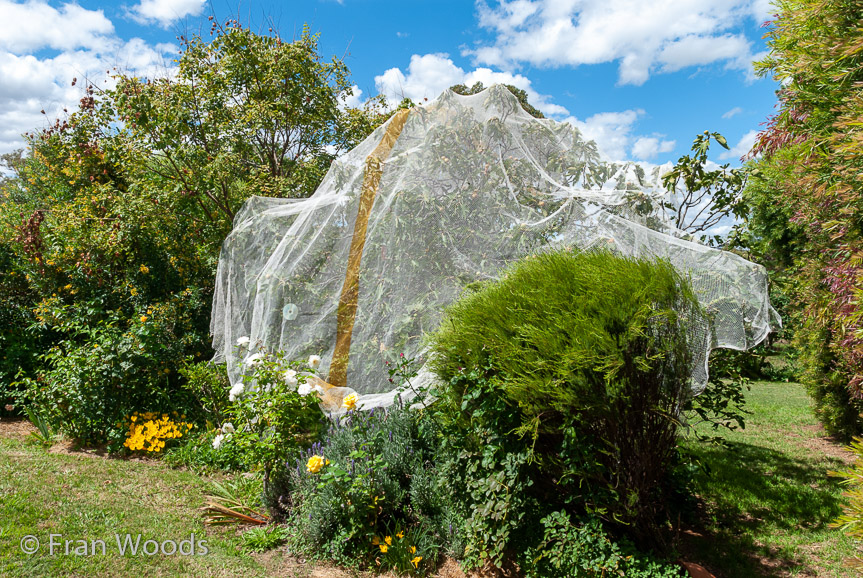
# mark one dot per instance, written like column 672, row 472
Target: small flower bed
column 149, row 431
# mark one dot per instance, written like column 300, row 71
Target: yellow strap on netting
column 347, row 310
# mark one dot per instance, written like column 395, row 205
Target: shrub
column 368, row 483
column 805, row 197
column 562, row 385
column 586, row 550
column 108, row 368
column 209, row 383
column 851, row 521
column 197, row 453
column 269, row 418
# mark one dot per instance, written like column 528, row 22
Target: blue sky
column 641, row 78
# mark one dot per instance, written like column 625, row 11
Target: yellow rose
column 350, row 402
column 315, row 464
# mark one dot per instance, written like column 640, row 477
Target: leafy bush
column 209, row 383
column 563, row 384
column 197, row 453
column 851, row 521
column 112, row 367
column 367, row 493
column 270, row 418
column 804, row 197
column 569, row 550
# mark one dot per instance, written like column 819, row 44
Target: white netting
column 471, row 183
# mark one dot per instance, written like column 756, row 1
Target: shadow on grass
column 753, row 493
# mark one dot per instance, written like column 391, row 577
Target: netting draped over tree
column 435, row 199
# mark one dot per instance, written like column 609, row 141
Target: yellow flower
column 389, row 540
column 145, row 269
column 383, row 548
column 143, row 318
column 133, row 291
column 376, row 541
column 400, row 535
column 413, row 549
column 315, row 464
column 416, row 561
column 350, row 402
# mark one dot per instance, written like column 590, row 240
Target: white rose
column 242, row 341
column 217, row 441
column 314, row 361
column 304, row 389
column 291, row 377
column 227, row 428
column 236, row 391
column 253, row 360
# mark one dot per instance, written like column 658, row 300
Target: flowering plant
column 273, row 410
column 150, row 430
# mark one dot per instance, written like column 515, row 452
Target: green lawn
column 765, row 509
column 769, row 500
column 83, row 497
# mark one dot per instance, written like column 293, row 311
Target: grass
column 765, row 508
column 768, row 501
column 82, row 497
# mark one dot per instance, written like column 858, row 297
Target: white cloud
column 763, row 10
column 733, row 112
column 646, row 148
column 643, row 37
column 165, row 12
column 742, row 148
column 77, row 43
column 611, row 131
column 34, row 25
column 429, row 75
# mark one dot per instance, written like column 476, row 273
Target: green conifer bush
column 562, row 387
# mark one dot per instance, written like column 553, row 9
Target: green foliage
column 721, row 404
column 43, row 434
column 563, row 384
column 851, row 520
column 19, row 345
column 377, row 481
column 805, row 213
column 586, row 550
column 700, row 198
column 108, row 370
column 196, row 452
column 263, row 538
column 269, row 418
column 208, row 383
column 517, row 92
